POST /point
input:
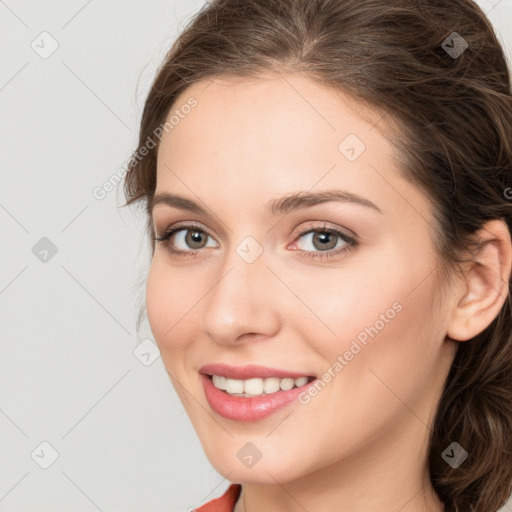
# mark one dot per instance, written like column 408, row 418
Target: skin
column 363, row 440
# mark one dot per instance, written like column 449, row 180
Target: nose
column 242, row 303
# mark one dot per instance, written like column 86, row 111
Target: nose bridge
column 238, row 302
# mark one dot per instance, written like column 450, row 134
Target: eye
column 323, row 242
column 190, row 237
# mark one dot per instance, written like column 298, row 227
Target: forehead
column 275, row 134
column 288, row 118
column 275, row 107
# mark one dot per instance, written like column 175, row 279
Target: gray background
column 73, row 372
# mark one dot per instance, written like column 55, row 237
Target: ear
column 486, row 283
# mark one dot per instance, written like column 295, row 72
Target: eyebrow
column 281, row 206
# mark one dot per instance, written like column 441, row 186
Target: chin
column 252, row 462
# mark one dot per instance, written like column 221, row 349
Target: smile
column 250, row 393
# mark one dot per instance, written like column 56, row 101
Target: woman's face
column 281, row 289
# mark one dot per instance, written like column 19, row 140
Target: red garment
column 225, row 503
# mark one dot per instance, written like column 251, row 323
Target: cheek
column 384, row 293
column 379, row 314
column 361, row 300
column 169, row 300
column 386, row 340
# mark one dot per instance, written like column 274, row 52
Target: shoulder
column 224, row 503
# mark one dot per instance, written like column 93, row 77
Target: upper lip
column 249, row 372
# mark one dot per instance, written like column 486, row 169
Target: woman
column 328, row 192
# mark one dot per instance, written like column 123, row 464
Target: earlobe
column 486, row 285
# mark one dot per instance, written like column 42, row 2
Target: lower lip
column 241, row 408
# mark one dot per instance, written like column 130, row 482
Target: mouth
column 251, row 393
column 253, row 380
column 257, row 386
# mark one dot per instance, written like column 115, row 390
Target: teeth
column 301, row 381
column 219, row 382
column 256, row 387
column 234, row 386
column 253, row 386
column 271, row 385
column 287, row 384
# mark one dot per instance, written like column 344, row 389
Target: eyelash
column 164, row 239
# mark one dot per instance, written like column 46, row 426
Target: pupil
column 324, row 239
column 194, row 238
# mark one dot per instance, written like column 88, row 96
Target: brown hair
column 453, row 111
